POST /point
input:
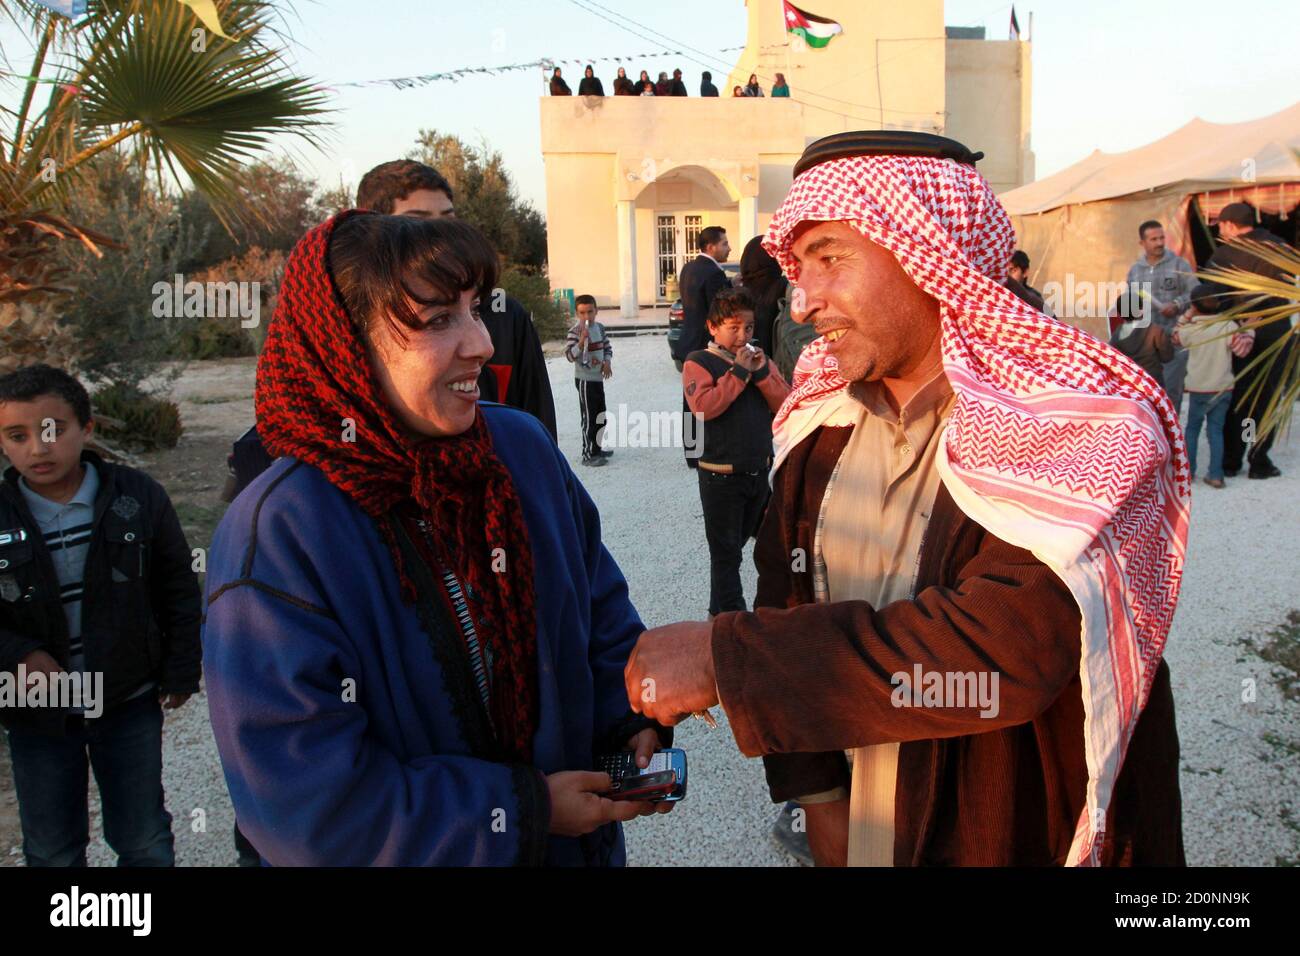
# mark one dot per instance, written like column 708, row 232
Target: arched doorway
column 671, row 210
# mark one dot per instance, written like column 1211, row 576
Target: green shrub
column 111, row 313
column 533, row 290
column 215, row 338
column 128, row 415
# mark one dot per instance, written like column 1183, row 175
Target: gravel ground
column 1240, row 759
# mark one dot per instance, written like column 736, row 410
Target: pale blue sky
column 1108, row 74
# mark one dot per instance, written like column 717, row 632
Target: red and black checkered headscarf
column 316, row 388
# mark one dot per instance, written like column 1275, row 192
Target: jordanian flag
column 816, row 31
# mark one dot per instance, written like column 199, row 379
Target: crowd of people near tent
column 1167, row 320
column 591, row 85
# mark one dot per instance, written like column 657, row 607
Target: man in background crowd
column 1237, row 221
column 1018, row 282
column 702, row 278
column 1168, row 280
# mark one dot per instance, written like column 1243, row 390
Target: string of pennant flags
column 408, row 82
column 206, row 12
column 546, row 63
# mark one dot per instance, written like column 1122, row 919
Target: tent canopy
column 1201, row 157
column 1080, row 227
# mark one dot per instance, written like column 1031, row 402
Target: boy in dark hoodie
column 96, row 583
column 1133, row 332
column 733, row 387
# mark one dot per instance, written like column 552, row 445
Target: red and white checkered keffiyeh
column 1057, row 443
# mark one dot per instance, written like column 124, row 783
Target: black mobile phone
column 643, row 786
column 628, row 778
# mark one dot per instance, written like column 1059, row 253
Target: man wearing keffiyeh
column 972, row 556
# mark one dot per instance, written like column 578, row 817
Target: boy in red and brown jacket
column 733, row 388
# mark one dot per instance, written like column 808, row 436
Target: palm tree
column 1256, row 303
column 141, row 76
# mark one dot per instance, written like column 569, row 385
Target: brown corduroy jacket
column 803, row 682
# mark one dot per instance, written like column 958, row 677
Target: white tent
column 1079, row 226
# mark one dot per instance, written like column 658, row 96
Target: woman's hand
column 577, row 807
column 644, row 745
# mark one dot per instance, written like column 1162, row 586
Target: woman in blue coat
column 415, row 640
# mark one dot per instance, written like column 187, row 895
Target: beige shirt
column 867, row 547
column 1209, row 358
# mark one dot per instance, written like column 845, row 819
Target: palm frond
column 1258, row 301
column 132, row 75
column 196, row 109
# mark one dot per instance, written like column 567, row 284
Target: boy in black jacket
column 95, row 580
column 733, row 387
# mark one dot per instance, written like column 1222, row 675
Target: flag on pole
column 65, row 8
column 816, row 31
column 1015, row 24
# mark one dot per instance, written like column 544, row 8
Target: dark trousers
column 591, row 402
column 1234, row 426
column 733, row 508
column 124, row 748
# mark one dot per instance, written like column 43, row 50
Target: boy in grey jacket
column 588, row 348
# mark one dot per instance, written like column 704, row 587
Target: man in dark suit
column 700, row 281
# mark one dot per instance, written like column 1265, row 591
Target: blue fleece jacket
column 341, row 737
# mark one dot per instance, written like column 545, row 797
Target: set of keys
column 707, row 717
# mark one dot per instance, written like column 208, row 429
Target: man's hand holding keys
column 670, row 674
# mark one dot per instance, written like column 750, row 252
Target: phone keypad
column 618, row 766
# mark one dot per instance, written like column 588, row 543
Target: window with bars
column 693, row 226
